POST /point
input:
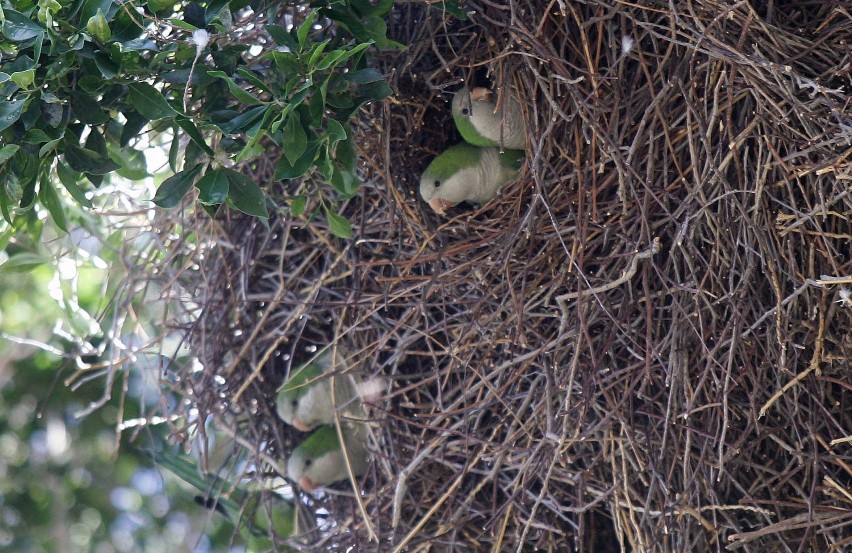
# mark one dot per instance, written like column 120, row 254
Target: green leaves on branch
column 82, row 83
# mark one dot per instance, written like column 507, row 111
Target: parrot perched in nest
column 482, row 123
column 319, row 461
column 305, row 401
column 467, row 173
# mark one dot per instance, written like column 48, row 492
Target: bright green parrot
column 319, row 460
column 482, row 123
column 467, row 173
column 305, row 400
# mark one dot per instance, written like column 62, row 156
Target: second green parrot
column 319, row 460
column 467, row 173
column 482, row 122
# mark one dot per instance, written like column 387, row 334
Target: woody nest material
column 641, row 345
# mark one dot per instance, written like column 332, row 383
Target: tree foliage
column 88, row 84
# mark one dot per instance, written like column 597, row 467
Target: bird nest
column 642, row 344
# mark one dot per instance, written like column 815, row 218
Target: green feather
column 323, row 440
column 452, row 160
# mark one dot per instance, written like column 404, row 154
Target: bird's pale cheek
column 300, row 426
column 440, row 205
column 307, row 484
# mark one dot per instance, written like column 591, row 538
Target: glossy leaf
column 295, row 139
column 87, row 161
column 174, row 188
column 194, row 134
column 338, row 225
column 70, row 180
column 245, row 195
column 241, row 95
column 19, row 27
column 213, row 187
column 10, row 112
column 149, row 101
column 51, row 200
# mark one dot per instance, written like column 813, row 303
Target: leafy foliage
column 86, row 85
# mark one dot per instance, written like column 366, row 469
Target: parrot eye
column 465, row 111
column 294, row 403
column 437, row 183
column 308, row 462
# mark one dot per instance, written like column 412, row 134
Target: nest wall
column 638, row 346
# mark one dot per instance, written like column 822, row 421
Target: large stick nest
column 636, row 346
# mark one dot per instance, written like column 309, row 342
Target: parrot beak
column 306, row 484
column 479, row 94
column 440, row 206
column 300, row 426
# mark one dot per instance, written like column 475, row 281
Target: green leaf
column 241, row 95
column 182, row 24
column 51, row 200
column 280, row 35
column 19, row 27
column 87, row 109
column 160, row 5
column 106, row 65
column 244, row 194
column 243, row 120
column 7, row 152
column 88, row 161
column 336, row 57
column 174, row 188
column 23, row 79
column 295, row 139
column 135, row 123
column 194, row 134
column 69, row 180
column 98, row 27
column 286, row 170
column 133, row 164
column 297, row 205
column 305, row 29
column 10, row 112
column 49, row 147
column 149, row 101
column 338, row 225
column 22, row 262
column 367, row 8
column 316, row 52
column 213, row 187
column 451, row 7
column 336, row 132
column 364, row 76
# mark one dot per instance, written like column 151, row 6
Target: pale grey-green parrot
column 482, row 123
column 305, row 401
column 467, row 173
column 319, row 460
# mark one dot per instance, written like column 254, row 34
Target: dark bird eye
column 437, row 183
column 465, row 111
column 308, row 462
column 294, row 403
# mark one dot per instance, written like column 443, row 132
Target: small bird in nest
column 310, row 397
column 319, row 460
column 467, row 173
column 482, row 122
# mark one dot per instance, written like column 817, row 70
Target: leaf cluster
column 87, row 85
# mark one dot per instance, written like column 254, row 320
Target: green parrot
column 467, row 173
column 305, row 400
column 319, row 461
column 482, row 123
